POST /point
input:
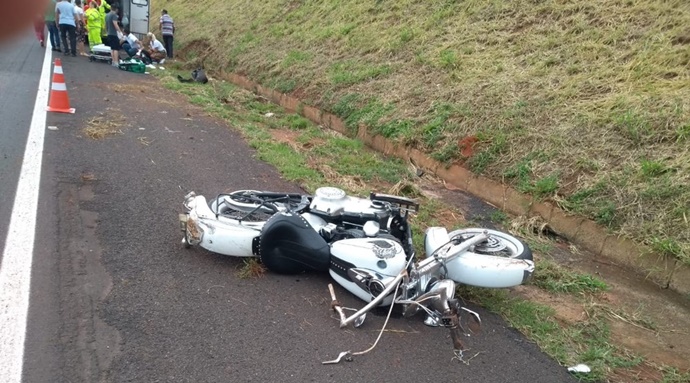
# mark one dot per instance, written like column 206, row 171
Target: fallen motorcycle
column 365, row 245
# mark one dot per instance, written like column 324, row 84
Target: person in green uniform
column 104, row 8
column 94, row 26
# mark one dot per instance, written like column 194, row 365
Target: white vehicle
column 135, row 14
column 364, row 244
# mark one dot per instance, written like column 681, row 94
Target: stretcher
column 101, row 52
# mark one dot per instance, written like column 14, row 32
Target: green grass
column 587, row 341
column 554, row 278
column 672, row 375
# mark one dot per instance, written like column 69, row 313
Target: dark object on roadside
column 132, row 65
column 198, row 75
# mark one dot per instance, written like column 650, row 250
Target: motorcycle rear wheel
column 253, row 200
column 499, row 244
column 240, row 205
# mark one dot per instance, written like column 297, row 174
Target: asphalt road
column 20, row 66
column 116, row 298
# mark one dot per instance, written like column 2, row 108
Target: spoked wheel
column 498, row 244
column 241, row 200
column 259, row 204
column 241, row 205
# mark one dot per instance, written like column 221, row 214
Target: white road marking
column 15, row 271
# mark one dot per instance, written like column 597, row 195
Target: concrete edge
column 664, row 271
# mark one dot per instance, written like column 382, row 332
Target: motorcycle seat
column 289, row 245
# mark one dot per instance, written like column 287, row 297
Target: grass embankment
column 582, row 102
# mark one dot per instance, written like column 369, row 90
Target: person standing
column 113, row 33
column 81, row 27
column 93, row 24
column 39, row 28
column 103, row 8
column 53, row 32
column 67, row 21
column 167, row 27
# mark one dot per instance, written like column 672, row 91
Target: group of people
column 72, row 27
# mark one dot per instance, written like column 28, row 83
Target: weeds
column 587, row 341
column 554, row 278
column 251, row 268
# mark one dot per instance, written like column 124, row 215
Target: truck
column 135, row 13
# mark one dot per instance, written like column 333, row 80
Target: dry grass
column 584, row 102
column 108, row 123
column 250, row 269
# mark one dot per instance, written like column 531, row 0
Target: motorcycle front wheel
column 500, row 261
column 498, row 244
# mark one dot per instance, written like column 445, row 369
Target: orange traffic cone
column 59, row 102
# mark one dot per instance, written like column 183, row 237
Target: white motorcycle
column 365, row 245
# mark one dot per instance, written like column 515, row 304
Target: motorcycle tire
column 499, row 243
column 239, row 200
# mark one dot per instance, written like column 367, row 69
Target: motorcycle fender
column 219, row 234
column 224, row 238
column 489, row 271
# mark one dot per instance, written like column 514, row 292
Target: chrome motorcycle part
column 344, row 321
column 365, row 254
column 371, row 228
column 336, row 305
column 360, row 320
column 345, row 355
column 498, row 243
column 433, row 320
column 474, row 322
